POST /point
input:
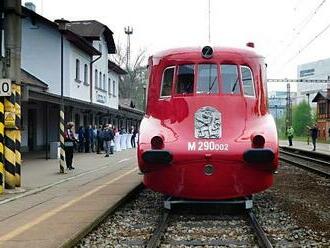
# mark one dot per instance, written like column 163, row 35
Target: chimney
column 30, row 6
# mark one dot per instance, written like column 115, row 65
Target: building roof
column 74, row 38
column 34, row 16
column 31, row 80
column 321, row 95
column 116, row 68
column 81, row 43
column 93, row 30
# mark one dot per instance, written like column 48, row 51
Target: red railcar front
column 207, row 133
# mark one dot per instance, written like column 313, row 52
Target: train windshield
column 230, row 79
column 185, row 79
column 207, row 79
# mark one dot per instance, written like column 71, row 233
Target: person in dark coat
column 314, row 132
column 81, row 139
column 92, row 134
column 87, row 139
column 99, row 139
column 69, row 141
column 108, row 138
column 133, row 132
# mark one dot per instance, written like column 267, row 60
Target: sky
column 286, row 32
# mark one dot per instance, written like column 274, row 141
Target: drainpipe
column 91, row 76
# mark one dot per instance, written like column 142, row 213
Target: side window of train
column 207, row 79
column 185, row 79
column 230, row 79
column 167, row 82
column 247, row 80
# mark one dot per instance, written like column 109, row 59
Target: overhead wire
column 308, row 44
column 301, row 26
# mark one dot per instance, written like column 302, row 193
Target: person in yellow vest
column 290, row 133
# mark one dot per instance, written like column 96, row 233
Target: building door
column 32, row 129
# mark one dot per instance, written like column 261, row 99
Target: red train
column 207, row 133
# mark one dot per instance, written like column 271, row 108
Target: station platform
column 52, row 209
column 320, row 147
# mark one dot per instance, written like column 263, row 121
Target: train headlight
column 157, row 142
column 258, row 141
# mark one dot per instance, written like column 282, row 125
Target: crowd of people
column 97, row 139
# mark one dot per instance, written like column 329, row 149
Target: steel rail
column 263, row 241
column 314, row 160
column 159, row 231
column 307, row 167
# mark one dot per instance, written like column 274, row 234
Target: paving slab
column 57, row 214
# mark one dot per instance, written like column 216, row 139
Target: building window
column 104, row 81
column 77, row 70
column 167, row 81
column 100, row 80
column 86, row 74
column 247, row 81
column 322, row 108
column 96, row 78
column 207, row 79
column 109, row 86
column 113, row 88
column 230, row 79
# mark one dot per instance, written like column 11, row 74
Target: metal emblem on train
column 208, row 123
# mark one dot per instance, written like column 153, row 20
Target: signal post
column 10, row 86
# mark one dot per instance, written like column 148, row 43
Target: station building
column 322, row 99
column 90, row 79
column 313, row 70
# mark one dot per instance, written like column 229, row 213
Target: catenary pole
column 2, row 108
column 12, row 70
column 62, row 27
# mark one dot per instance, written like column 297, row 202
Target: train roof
column 195, row 52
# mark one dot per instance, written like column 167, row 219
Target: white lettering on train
column 191, row 146
column 207, row 146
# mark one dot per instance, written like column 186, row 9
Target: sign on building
column 5, row 87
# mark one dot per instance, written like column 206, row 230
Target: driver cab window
column 185, row 79
column 167, row 82
column 230, row 79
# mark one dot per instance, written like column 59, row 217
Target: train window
column 167, row 81
column 185, row 80
column 247, row 81
column 230, row 79
column 207, row 79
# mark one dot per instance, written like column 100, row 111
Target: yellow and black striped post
column 10, row 140
column 2, row 131
column 18, row 136
column 62, row 152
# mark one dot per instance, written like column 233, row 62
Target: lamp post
column 62, row 27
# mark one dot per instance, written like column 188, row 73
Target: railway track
column 311, row 161
column 181, row 230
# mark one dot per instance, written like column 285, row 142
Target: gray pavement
column 320, row 147
column 55, row 208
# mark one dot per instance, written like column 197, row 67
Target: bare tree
column 132, row 85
